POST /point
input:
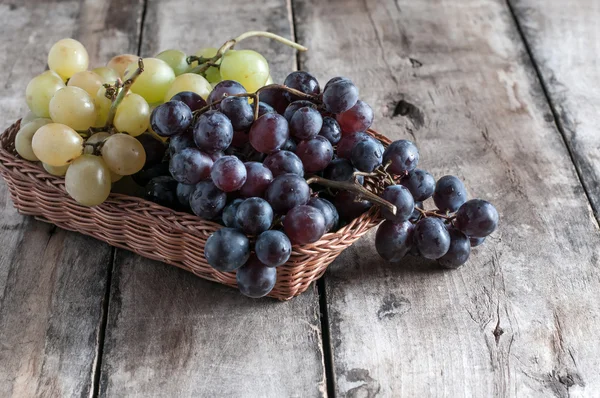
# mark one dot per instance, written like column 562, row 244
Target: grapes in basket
column 278, row 165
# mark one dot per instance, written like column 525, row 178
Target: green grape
column 24, row 137
column 120, row 62
column 107, row 75
column 189, row 82
column 114, row 177
column 133, row 115
column 67, row 57
column 176, row 59
column 87, row 80
column 94, row 139
column 154, row 82
column 102, row 107
column 247, row 67
column 57, row 144
column 29, row 117
column 213, row 75
column 58, row 171
column 88, row 180
column 74, row 107
column 123, row 154
column 40, row 90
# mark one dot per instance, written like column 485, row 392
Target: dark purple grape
column 393, row 241
column 239, row 112
column 240, row 138
column 358, row 118
column 301, row 81
column 258, row 178
column 223, row 89
column 179, row 142
column 347, row 143
column 229, row 213
column 213, row 132
column 459, row 251
column 477, row 218
column 263, row 108
column 289, row 145
column 367, row 155
column 184, row 192
column 431, row 238
column 170, row 118
column 287, row 191
column 190, row 166
column 276, row 98
column 334, row 80
column 282, row 162
column 191, row 99
column 449, row 194
column 228, row 173
column 315, row 153
column 340, row 96
column 349, row 207
column 254, row 216
column 341, row 170
column 416, row 214
column 216, row 155
column 207, row 201
column 420, row 183
column 269, row 133
column 304, row 224
column 273, row 248
column 331, row 130
column 162, row 190
column 144, row 176
column 255, row 279
column 400, row 197
column 476, row 241
column 329, row 211
column 403, row 155
column 290, row 111
column 227, row 249
column 306, row 123
column 155, row 149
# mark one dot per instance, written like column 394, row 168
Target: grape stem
column 122, row 93
column 352, row 187
column 96, row 146
column 427, row 213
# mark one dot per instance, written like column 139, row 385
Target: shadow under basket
column 160, row 233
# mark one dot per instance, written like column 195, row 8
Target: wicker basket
column 157, row 232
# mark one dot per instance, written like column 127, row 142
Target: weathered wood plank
column 52, row 282
column 172, row 334
column 522, row 316
column 563, row 38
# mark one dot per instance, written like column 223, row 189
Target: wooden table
column 504, row 95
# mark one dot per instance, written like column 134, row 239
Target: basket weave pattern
column 157, row 232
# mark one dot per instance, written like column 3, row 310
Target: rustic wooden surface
column 521, row 319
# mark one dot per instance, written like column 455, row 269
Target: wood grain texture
column 52, row 282
column 522, row 317
column 564, row 39
column 171, row 333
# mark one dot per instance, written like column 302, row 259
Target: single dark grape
column 331, row 130
column 229, row 213
column 287, row 191
column 282, row 162
column 315, row 153
column 347, row 143
column 223, row 89
column 304, row 224
column 258, row 178
column 301, row 81
column 228, row 173
column 306, row 123
column 207, row 201
column 476, row 241
column 213, row 132
column 358, row 118
column 162, row 190
column 449, row 194
column 143, row 177
column 349, row 207
column 254, row 216
column 367, row 155
column 291, row 109
column 155, row 149
column 416, row 214
column 184, row 192
column 179, row 142
column 393, row 241
column 191, row 99
column 190, row 166
column 341, row 170
column 255, row 279
column 459, row 251
column 431, row 238
column 269, row 133
column 170, row 118
column 239, row 112
column 273, row 248
column 477, row 218
column 403, row 155
column 227, row 249
column 400, row 197
column 332, row 218
column 420, row 183
column 216, row 155
column 275, row 98
column 289, row 145
column 340, row 96
column 263, row 108
column 334, row 80
column 240, row 138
